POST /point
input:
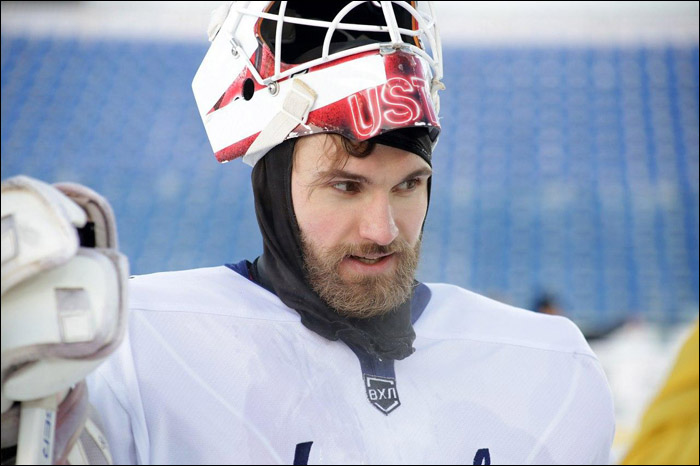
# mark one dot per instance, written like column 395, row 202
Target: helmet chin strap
column 295, row 110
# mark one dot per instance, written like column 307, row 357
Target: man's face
column 360, row 223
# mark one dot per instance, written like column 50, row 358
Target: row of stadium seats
column 567, row 170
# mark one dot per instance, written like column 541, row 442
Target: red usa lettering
column 394, row 106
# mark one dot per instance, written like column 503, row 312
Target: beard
column 358, row 295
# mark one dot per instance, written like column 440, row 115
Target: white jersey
column 215, row 369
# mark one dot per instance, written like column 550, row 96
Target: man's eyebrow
column 337, row 173
column 418, row 173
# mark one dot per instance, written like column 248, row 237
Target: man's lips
column 371, row 258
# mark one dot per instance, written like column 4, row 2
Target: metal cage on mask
column 279, row 70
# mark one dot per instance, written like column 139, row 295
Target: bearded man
column 325, row 349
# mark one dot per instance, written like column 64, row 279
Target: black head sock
column 280, row 269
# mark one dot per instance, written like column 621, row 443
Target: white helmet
column 279, row 70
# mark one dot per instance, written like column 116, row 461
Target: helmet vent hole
column 248, row 89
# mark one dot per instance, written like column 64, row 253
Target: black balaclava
column 280, row 269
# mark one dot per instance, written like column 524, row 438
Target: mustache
column 342, row 251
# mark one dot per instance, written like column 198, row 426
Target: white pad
column 30, row 209
column 63, row 312
column 63, row 306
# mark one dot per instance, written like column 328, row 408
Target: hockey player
column 325, row 349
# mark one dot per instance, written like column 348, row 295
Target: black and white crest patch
column 382, row 393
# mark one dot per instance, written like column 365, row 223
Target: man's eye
column 409, row 185
column 346, row 186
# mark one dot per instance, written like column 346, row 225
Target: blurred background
column 567, row 169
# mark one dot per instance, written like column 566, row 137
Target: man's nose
column 377, row 224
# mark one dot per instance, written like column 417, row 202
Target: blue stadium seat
column 567, row 170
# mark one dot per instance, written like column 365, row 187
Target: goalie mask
column 280, row 70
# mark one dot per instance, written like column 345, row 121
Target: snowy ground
column 636, row 359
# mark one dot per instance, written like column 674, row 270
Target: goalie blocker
column 63, row 312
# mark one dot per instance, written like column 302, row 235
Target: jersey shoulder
column 456, row 313
column 210, row 290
